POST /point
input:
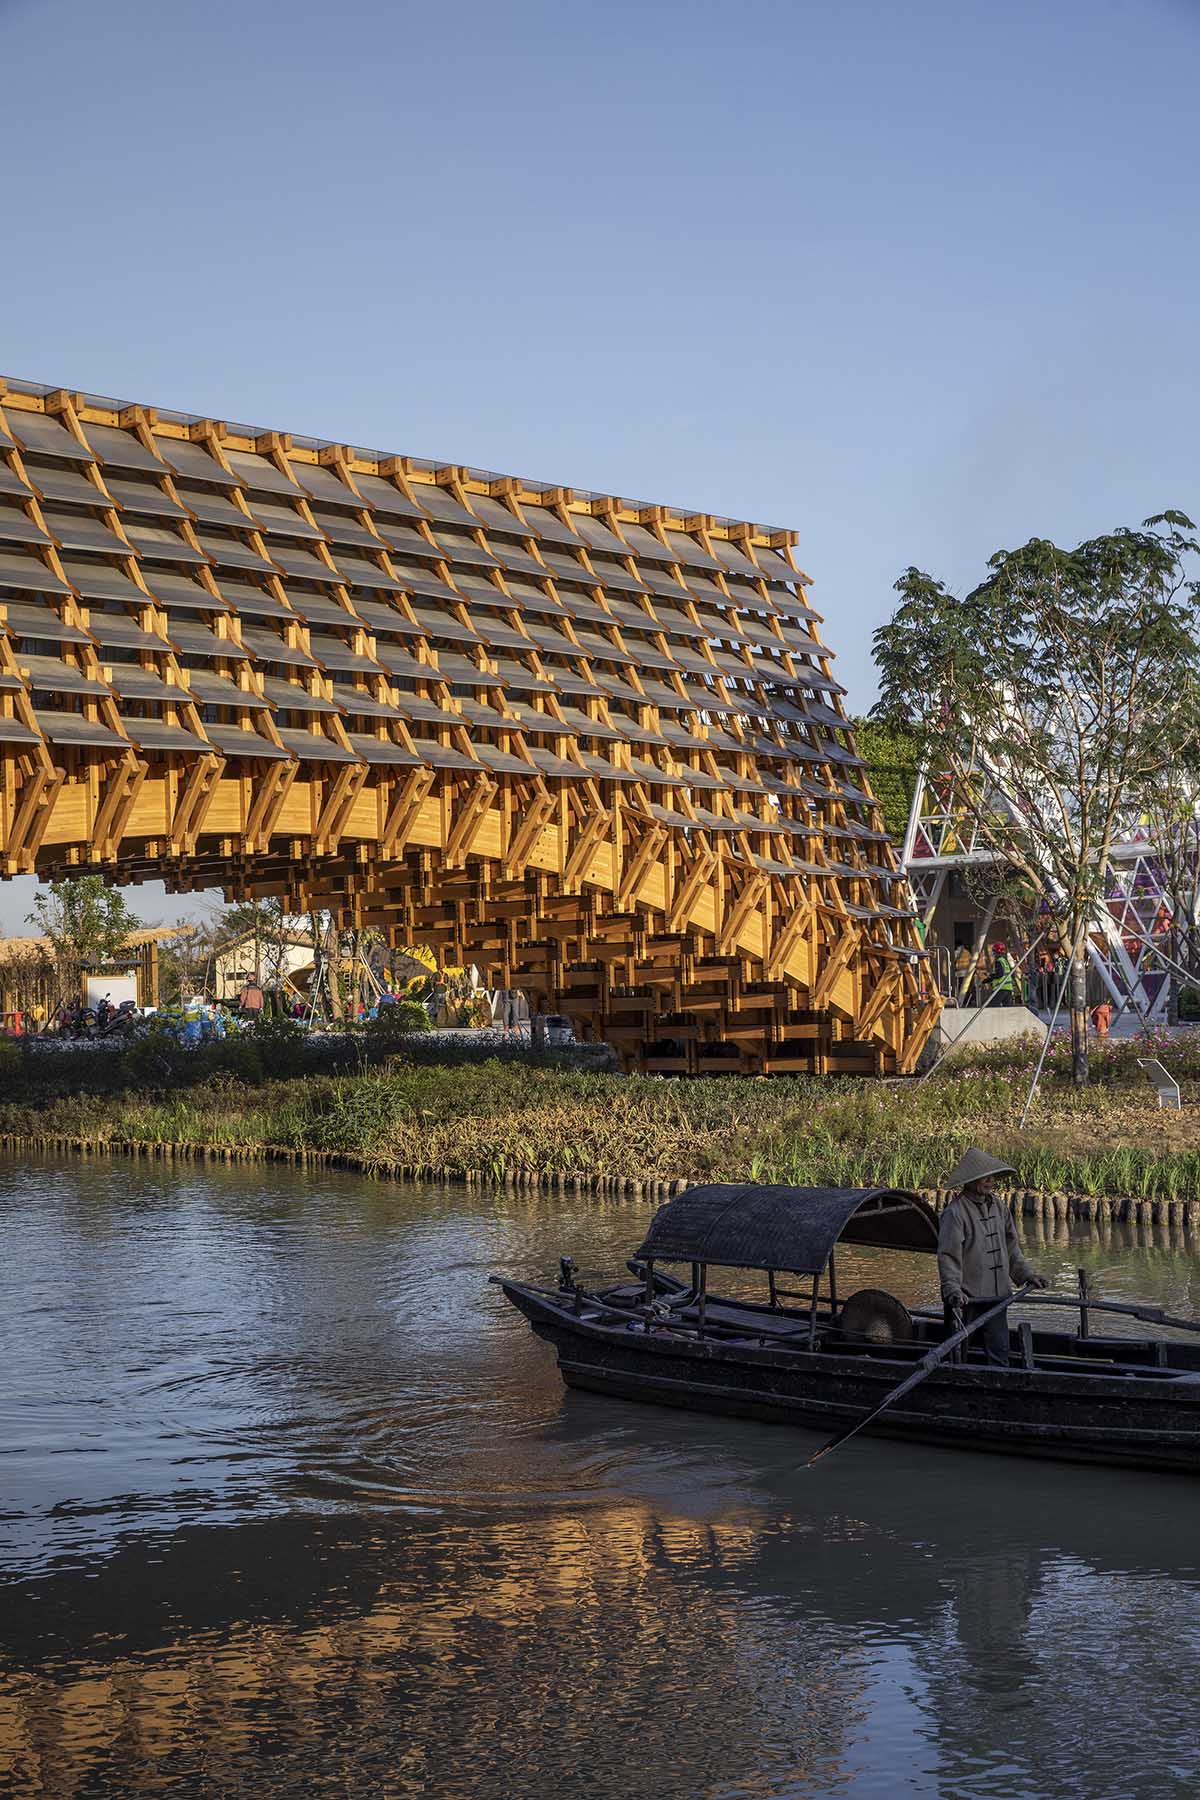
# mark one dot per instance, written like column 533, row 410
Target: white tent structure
column 1128, row 944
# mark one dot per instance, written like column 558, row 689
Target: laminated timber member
column 593, row 747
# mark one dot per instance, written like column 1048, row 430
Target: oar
column 1150, row 1315
column 925, row 1367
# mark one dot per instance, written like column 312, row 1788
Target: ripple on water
column 291, row 1502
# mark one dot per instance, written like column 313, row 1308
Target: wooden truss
column 593, row 747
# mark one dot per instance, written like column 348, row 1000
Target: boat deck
column 736, row 1321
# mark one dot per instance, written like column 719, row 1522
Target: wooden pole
column 925, row 1367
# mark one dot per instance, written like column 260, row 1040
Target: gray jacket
column 979, row 1257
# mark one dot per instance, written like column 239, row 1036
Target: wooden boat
column 808, row 1358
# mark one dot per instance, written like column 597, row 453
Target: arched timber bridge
column 592, row 745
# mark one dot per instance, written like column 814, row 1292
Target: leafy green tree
column 268, row 930
column 1052, row 697
column 185, row 959
column 892, row 758
column 86, row 921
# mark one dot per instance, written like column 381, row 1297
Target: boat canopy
column 744, row 1226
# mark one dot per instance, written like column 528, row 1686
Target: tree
column 184, row 958
column 269, row 931
column 86, row 922
column 1053, row 697
column 26, row 975
column 891, row 757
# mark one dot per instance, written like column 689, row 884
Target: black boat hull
column 1143, row 1420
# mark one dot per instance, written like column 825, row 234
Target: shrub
column 280, row 1043
column 156, row 1059
column 242, row 1056
column 397, row 1021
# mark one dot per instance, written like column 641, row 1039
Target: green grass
column 518, row 1117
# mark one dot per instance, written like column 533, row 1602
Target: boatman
column 979, row 1256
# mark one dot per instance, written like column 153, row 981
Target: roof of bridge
column 174, row 587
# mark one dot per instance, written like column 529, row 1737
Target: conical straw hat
column 973, row 1166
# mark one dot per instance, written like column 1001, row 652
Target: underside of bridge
column 592, row 745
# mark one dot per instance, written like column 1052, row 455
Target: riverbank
column 543, row 1123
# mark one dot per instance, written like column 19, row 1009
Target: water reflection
column 292, row 1503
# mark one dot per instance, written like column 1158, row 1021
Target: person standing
column 1102, row 1014
column 1004, row 977
column 979, row 1254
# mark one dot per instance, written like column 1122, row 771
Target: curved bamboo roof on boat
column 751, row 1226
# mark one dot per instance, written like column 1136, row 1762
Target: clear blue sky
column 918, row 280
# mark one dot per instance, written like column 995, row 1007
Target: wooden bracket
column 331, row 822
column 690, row 888
column 640, row 864
column 588, row 838
column 788, row 934
column 524, row 839
column 120, row 792
column 923, row 1024
column 875, row 1007
column 193, row 804
column 267, row 806
column 836, row 960
column 470, row 820
column 740, row 911
column 404, row 812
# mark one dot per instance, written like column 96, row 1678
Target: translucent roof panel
column 645, row 543
column 259, row 474
column 41, row 435
column 193, row 461
column 597, row 535
column 323, row 484
column 440, row 503
column 119, row 449
column 547, row 525
column 385, row 498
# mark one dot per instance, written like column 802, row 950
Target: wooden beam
column 787, row 935
column 689, row 889
column 836, row 960
column 638, row 868
column 740, row 911
column 609, row 894
column 588, row 838
column 469, row 822
column 403, row 813
column 539, row 814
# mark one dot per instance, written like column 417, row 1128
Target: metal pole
column 1169, row 962
column 1037, row 1073
column 982, row 1007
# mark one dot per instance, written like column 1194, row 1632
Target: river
column 292, row 1503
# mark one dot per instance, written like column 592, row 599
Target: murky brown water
column 292, row 1504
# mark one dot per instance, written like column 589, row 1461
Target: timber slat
column 595, row 748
